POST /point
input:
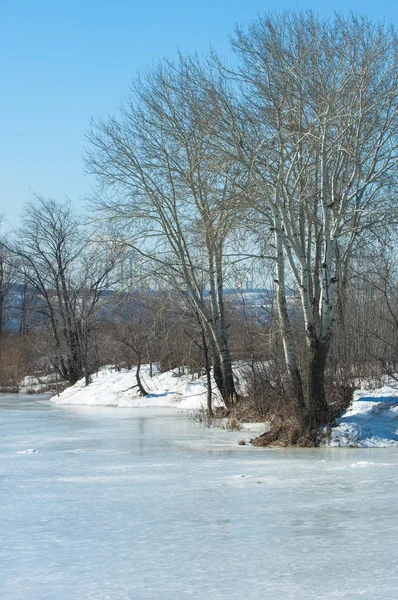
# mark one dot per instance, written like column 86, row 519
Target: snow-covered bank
column 34, row 384
column 370, row 421
column 118, row 388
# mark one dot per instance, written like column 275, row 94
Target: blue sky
column 63, row 62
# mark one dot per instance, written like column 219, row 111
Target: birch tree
column 317, row 129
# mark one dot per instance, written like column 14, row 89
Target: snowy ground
column 99, row 503
column 118, row 388
column 370, row 421
column 33, row 384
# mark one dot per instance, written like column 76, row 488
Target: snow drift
column 370, row 421
column 118, row 388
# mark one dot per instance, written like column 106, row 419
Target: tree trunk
column 317, row 411
column 229, row 392
column 284, row 323
column 217, row 372
column 87, row 374
column 228, row 383
column 141, row 388
column 208, row 373
column 74, row 359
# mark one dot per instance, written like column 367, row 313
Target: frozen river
column 147, row 505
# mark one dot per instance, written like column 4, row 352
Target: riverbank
column 110, row 387
column 370, row 421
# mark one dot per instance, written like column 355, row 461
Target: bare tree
column 180, row 197
column 131, row 328
column 7, row 271
column 379, row 303
column 316, row 127
column 68, row 272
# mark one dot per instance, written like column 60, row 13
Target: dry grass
column 283, row 432
column 12, row 364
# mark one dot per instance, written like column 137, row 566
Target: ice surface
column 145, row 504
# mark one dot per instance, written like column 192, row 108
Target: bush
column 13, row 367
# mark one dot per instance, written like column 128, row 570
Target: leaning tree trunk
column 223, row 376
column 140, row 386
column 217, row 372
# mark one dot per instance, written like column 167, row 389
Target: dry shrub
column 233, row 423
column 267, row 392
column 201, row 415
column 283, row 432
column 270, row 398
column 339, row 393
column 13, row 366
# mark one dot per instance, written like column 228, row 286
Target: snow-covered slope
column 117, row 388
column 370, row 421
